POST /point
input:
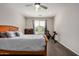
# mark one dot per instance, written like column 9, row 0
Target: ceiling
column 30, row 11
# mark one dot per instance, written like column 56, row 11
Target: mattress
column 23, row 43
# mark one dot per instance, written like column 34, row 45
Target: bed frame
column 4, row 28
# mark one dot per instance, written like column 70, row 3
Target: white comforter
column 25, row 42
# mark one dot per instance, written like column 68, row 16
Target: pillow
column 17, row 34
column 20, row 33
column 3, row 35
column 11, row 34
column 14, row 33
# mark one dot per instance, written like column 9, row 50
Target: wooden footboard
column 28, row 53
column 46, row 40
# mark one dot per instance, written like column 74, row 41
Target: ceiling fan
column 37, row 6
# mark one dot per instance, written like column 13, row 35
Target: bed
column 23, row 45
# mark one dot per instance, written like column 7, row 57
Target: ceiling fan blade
column 43, row 6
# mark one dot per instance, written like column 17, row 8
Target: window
column 39, row 26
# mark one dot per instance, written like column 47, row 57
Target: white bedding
column 25, row 42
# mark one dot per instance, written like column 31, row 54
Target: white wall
column 50, row 23
column 29, row 23
column 9, row 16
column 67, row 27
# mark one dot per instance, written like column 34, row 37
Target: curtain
column 45, row 25
column 33, row 26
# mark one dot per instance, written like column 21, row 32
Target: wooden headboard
column 4, row 28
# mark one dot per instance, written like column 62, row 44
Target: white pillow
column 21, row 34
column 11, row 33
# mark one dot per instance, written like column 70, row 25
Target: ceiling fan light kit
column 38, row 5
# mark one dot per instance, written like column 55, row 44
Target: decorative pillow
column 20, row 33
column 3, row 35
column 11, row 34
column 17, row 34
